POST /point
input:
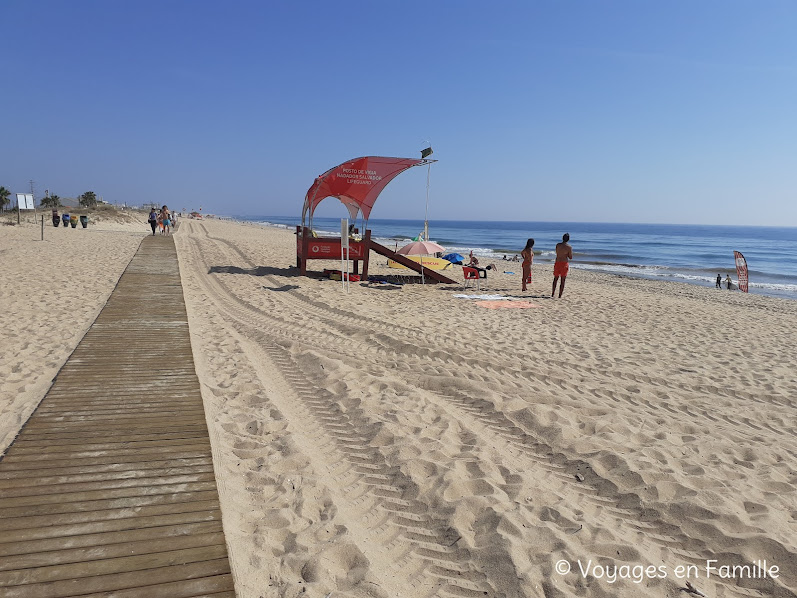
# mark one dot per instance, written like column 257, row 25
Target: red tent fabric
column 357, row 183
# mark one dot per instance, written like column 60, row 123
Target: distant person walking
column 153, row 220
column 528, row 257
column 719, row 281
column 728, row 282
column 564, row 253
column 167, row 219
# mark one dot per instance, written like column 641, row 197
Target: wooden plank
column 102, row 468
column 184, row 432
column 72, row 478
column 119, row 423
column 52, row 558
column 59, row 448
column 11, row 463
column 68, row 489
column 134, row 520
column 188, row 445
column 117, row 409
column 12, row 516
column 134, row 400
column 67, row 497
column 91, row 444
column 201, row 588
column 122, row 580
column 101, row 539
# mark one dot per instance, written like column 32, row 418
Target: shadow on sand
column 290, row 272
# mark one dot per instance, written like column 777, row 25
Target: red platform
column 319, row 248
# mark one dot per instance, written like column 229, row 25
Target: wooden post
column 366, row 254
column 305, row 249
column 298, row 247
column 42, row 227
column 356, row 262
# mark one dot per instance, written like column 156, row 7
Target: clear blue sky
column 615, row 111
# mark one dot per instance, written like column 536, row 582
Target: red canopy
column 357, row 183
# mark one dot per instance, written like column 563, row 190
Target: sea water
column 687, row 253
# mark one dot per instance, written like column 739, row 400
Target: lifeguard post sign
column 25, row 202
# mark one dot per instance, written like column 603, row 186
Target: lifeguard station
column 357, row 184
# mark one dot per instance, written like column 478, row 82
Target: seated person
column 473, row 262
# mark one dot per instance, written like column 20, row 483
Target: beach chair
column 470, row 275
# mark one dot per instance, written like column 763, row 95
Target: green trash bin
column 84, row 221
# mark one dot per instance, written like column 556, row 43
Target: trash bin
column 65, row 219
column 56, row 218
column 84, row 221
column 73, row 221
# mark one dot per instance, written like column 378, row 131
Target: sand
column 405, row 442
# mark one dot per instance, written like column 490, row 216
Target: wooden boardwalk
column 109, row 489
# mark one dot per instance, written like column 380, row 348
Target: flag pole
column 426, row 219
column 424, row 155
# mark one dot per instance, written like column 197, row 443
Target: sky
column 602, row 111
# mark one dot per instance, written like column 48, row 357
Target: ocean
column 687, row 253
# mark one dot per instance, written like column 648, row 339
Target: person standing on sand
column 528, row 257
column 728, row 281
column 153, row 220
column 564, row 253
column 719, row 281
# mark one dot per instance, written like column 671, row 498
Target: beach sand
column 402, row 442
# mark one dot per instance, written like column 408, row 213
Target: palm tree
column 4, row 197
column 53, row 201
column 88, row 199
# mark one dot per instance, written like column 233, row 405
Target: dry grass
column 99, row 214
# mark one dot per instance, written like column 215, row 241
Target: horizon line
column 534, row 221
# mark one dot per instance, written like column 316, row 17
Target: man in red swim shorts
column 564, row 253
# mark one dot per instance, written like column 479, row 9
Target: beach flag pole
column 425, row 154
